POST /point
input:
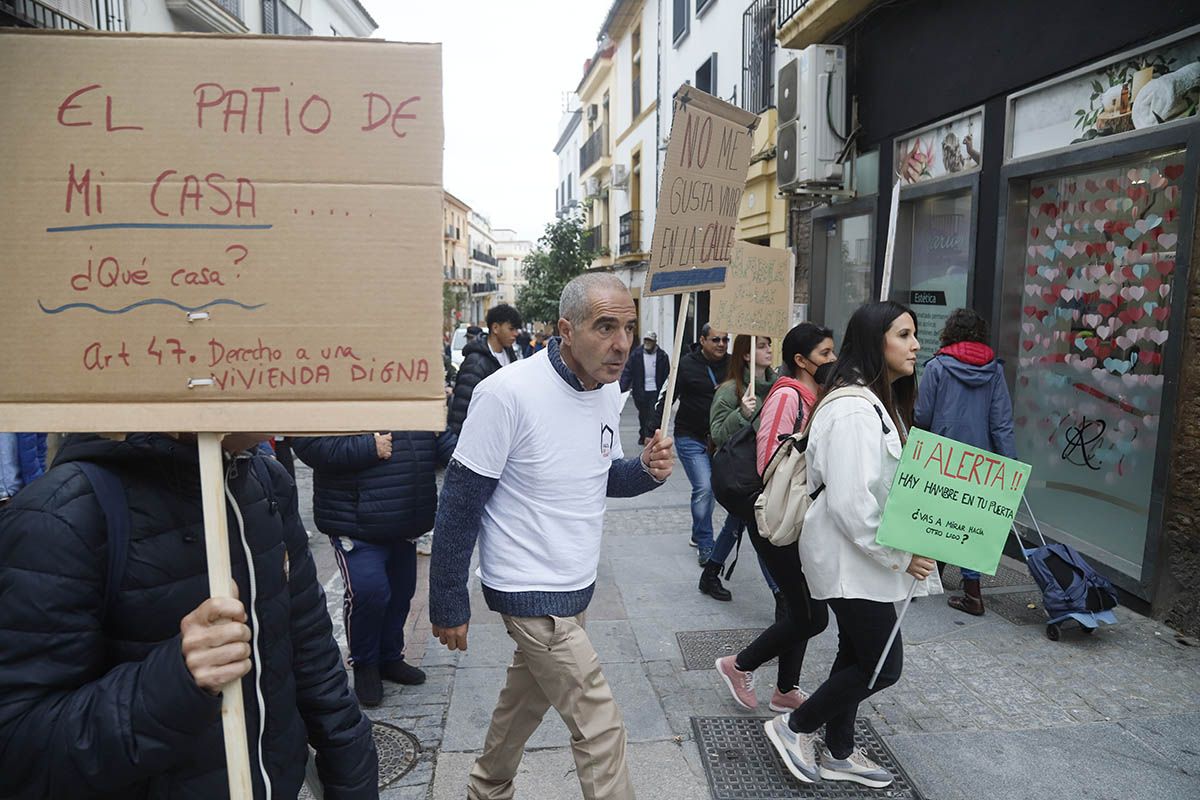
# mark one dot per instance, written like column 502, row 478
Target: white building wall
column 334, row 17
column 152, row 16
column 511, row 253
column 568, row 160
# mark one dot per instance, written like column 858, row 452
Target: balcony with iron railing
column 758, row 57
column 224, row 16
column 629, row 233
column 804, row 22
column 486, row 258
column 594, row 149
column 287, row 21
column 453, row 233
column 484, row 287
column 103, row 15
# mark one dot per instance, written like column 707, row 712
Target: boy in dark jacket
column 963, row 397
column 373, row 495
column 481, row 357
column 124, row 700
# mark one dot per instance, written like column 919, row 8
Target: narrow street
column 986, row 705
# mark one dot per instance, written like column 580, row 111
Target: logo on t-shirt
column 606, row 440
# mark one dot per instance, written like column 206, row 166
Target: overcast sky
column 506, row 66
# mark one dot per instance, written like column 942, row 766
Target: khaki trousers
column 554, row 665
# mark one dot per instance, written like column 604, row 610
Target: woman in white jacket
column 853, row 450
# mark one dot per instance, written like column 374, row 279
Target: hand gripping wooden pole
column 669, row 399
column 220, row 584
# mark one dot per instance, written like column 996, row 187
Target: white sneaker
column 797, row 750
column 857, row 768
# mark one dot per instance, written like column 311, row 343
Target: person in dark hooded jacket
column 373, row 495
column 122, row 700
column 963, row 396
column 482, row 357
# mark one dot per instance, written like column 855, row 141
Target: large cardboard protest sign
column 206, row 233
column 704, row 177
column 757, row 296
column 952, row 502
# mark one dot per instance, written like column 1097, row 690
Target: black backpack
column 736, row 483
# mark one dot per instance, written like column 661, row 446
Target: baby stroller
column 1071, row 588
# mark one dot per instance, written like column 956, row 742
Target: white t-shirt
column 651, row 362
column 502, row 356
column 550, row 446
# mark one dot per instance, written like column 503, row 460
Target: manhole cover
column 741, row 764
column 398, row 750
column 701, row 648
column 1005, row 576
column 1014, row 607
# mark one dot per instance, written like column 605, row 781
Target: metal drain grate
column 701, row 648
column 741, row 764
column 1014, row 607
column 1005, row 576
column 398, row 750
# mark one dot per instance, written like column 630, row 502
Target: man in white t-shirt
column 537, row 456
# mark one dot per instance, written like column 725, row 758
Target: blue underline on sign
column 153, row 301
column 203, row 226
column 686, row 278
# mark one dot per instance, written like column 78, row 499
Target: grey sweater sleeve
column 460, row 509
column 629, row 478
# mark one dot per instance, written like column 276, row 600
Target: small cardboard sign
column 219, row 233
column 757, row 296
column 952, row 502
column 702, row 184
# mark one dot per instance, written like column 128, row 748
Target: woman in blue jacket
column 963, row 396
column 373, row 495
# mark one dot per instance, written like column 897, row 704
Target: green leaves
column 560, row 256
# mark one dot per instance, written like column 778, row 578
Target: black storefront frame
column 1015, row 177
column 947, row 185
column 818, row 277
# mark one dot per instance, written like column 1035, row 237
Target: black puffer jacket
column 478, row 363
column 694, row 389
column 356, row 494
column 110, row 710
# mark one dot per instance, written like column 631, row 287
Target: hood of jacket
column 974, row 365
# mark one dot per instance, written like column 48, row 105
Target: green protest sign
column 952, row 502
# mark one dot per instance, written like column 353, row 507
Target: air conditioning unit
column 618, row 175
column 593, row 113
column 591, row 188
column 809, row 145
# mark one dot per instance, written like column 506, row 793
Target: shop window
column 1097, row 276
column 843, row 252
column 932, row 265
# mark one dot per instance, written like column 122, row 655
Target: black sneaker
column 402, row 672
column 367, row 686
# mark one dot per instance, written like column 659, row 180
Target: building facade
column 1056, row 194
column 319, row 18
column 456, row 261
column 511, row 252
column 570, row 140
column 481, row 248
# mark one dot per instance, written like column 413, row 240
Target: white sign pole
column 669, row 399
column 890, row 250
column 887, row 648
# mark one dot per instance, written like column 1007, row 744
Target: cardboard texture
column 757, row 296
column 704, row 176
column 289, row 189
column 952, row 502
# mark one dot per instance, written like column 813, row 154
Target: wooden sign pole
column 669, row 399
column 220, row 584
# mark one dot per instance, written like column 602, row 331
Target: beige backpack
column 780, row 508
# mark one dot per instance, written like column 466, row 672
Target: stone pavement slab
column 1104, row 761
column 660, row 771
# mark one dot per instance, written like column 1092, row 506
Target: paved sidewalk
column 985, row 707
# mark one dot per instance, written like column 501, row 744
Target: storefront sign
column 702, row 184
column 757, row 297
column 952, row 502
column 224, row 238
column 1134, row 92
column 948, row 148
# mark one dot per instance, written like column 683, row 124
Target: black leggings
column 863, row 629
column 788, row 637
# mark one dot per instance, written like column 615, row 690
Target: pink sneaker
column 787, row 701
column 741, row 684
